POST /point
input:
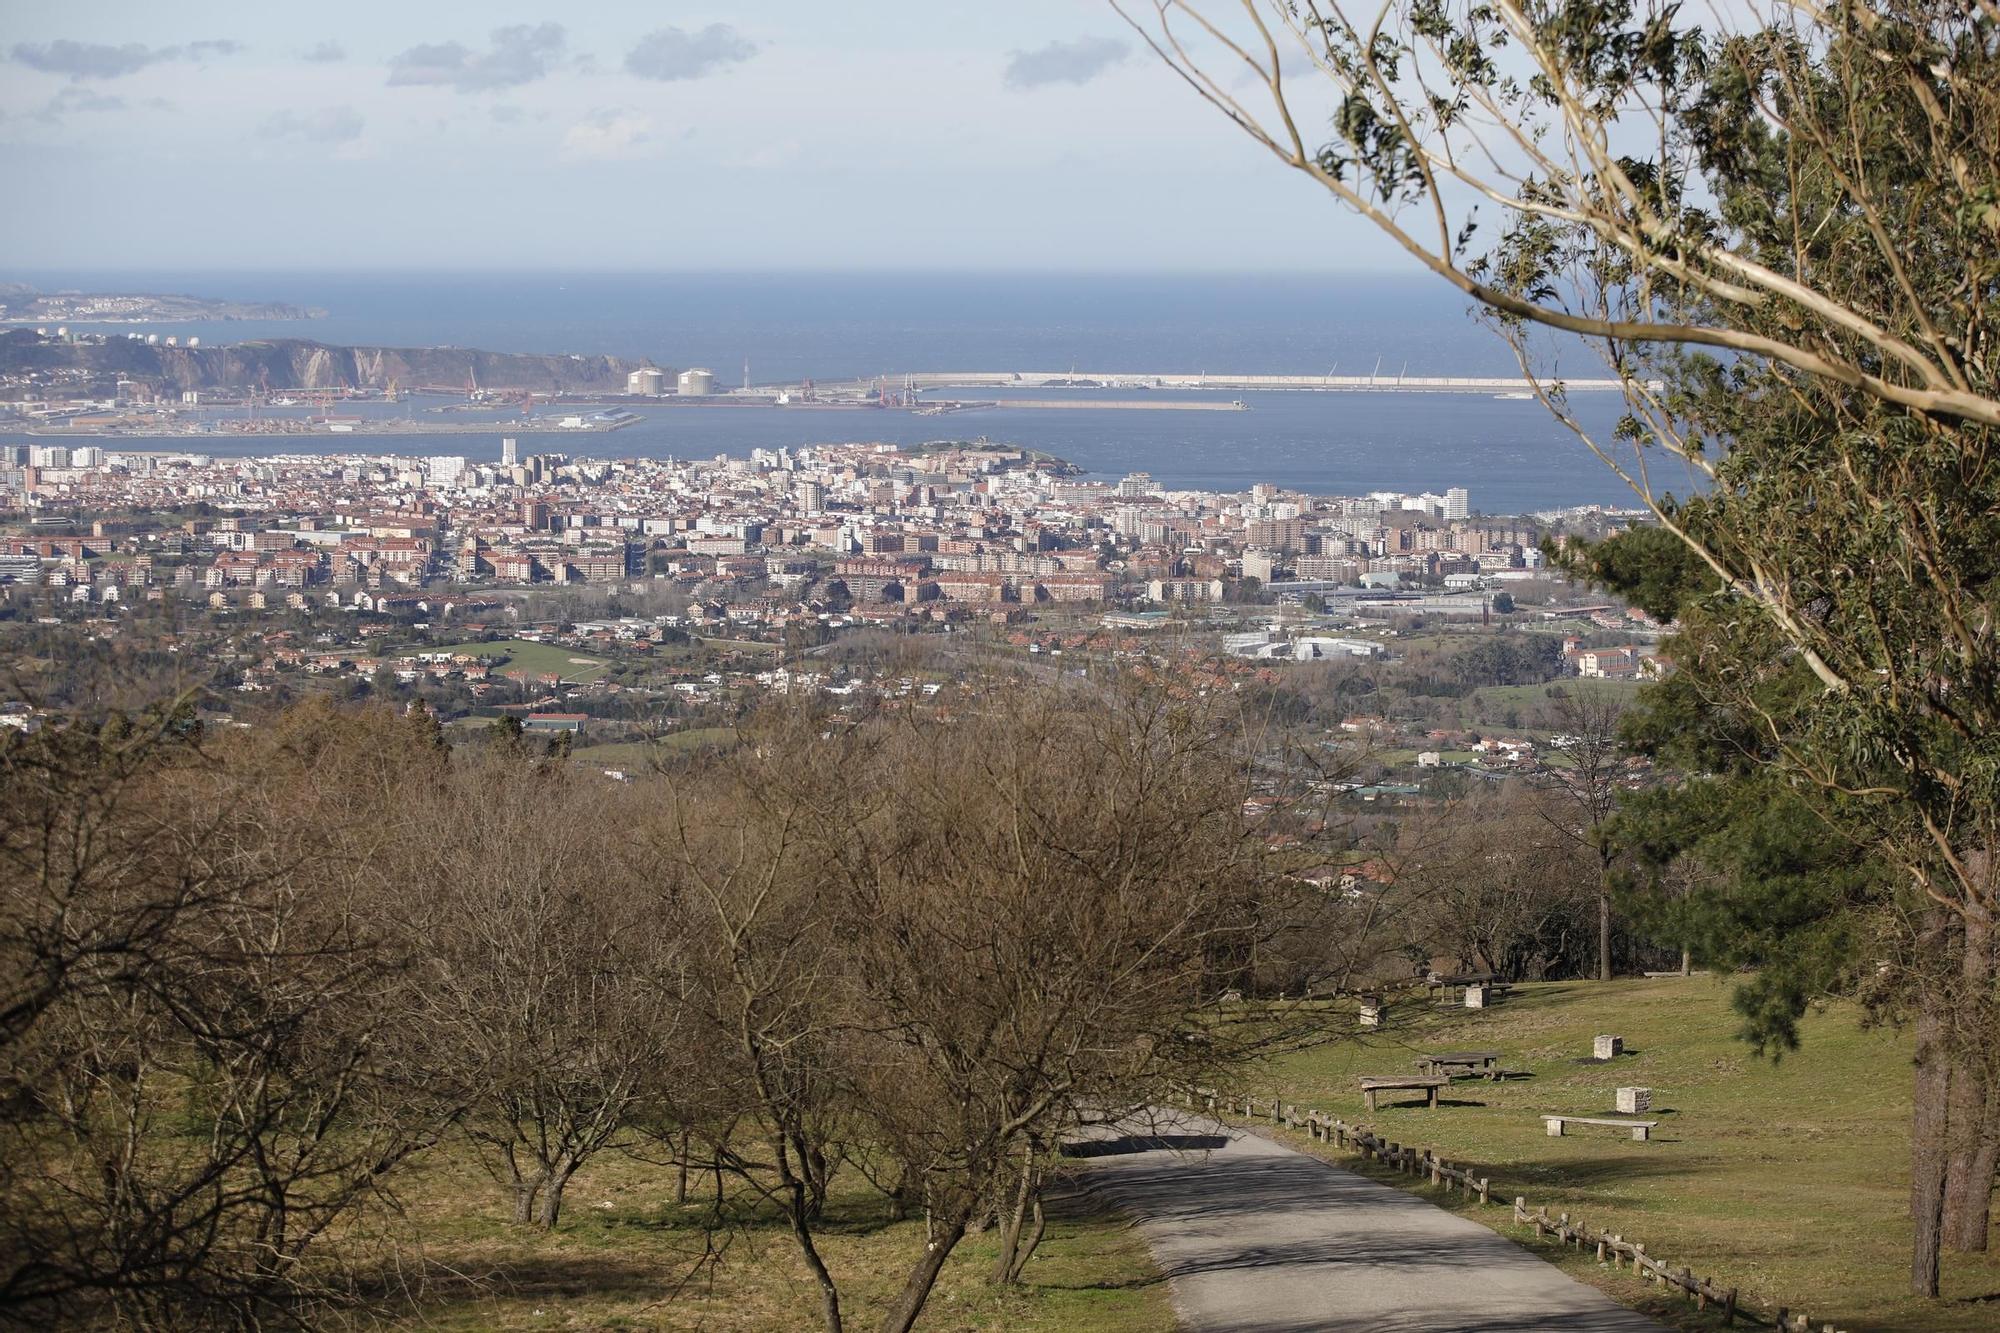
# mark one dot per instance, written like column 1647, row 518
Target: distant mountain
column 297, row 363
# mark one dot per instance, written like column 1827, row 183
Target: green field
column 637, row 752
column 523, row 657
column 1532, row 702
column 1788, row 1180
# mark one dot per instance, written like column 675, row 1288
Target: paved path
column 1257, row 1238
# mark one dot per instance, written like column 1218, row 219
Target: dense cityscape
column 789, row 547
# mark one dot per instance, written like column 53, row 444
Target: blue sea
column 1508, row 453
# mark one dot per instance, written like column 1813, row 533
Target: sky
column 792, row 134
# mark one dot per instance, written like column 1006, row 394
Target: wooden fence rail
column 1611, row 1247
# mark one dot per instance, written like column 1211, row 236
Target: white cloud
column 79, row 99
column 1079, row 61
column 96, row 60
column 671, row 54
column 608, row 136
column 519, row 54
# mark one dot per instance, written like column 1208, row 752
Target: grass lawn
column 515, row 657
column 623, row 1254
column 1787, row 1180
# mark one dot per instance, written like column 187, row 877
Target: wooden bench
column 1429, row 1086
column 1642, row 1130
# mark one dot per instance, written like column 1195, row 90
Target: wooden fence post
column 1484, row 1181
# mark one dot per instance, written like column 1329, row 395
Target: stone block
column 1631, row 1101
column 1604, row 1048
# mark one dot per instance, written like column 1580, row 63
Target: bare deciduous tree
column 1587, row 776
column 552, row 991
column 210, row 1070
column 1503, row 888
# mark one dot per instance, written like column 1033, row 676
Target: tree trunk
column 1968, row 1206
column 1928, row 1122
column 798, row 1205
column 819, row 1176
column 1968, row 1189
column 525, row 1188
column 681, row 1175
column 829, row 1295
column 1005, row 1269
column 550, row 1210
column 1026, row 1247
column 1687, row 962
column 1604, row 926
column 917, row 1287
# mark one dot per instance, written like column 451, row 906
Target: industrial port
column 302, row 388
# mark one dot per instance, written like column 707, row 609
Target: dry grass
column 627, row 1257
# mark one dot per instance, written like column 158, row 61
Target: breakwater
column 1219, row 383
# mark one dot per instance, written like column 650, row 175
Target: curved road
column 1257, row 1238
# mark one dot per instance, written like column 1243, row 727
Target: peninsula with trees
column 19, row 301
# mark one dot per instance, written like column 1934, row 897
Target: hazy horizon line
column 1417, row 276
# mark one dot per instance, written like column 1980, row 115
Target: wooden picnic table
column 1437, row 982
column 1428, row 1085
column 1450, row 990
column 1472, row 1062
